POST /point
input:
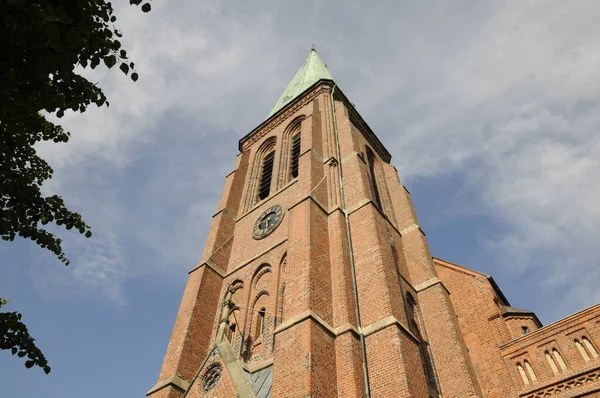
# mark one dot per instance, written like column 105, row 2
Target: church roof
column 311, row 71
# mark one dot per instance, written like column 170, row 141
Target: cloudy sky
column 489, row 108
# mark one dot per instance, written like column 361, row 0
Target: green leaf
column 29, row 364
column 146, row 7
column 124, row 67
column 88, row 234
column 135, row 2
column 134, row 77
column 47, row 369
column 14, row 350
column 60, row 113
column 110, row 61
column 21, row 354
column 123, row 54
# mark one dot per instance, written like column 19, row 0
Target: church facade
column 317, row 281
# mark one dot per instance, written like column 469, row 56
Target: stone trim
column 255, row 257
column 255, row 367
column 175, row 382
column 562, row 386
column 346, row 328
column 409, row 229
column 210, row 265
column 350, row 156
column 409, row 283
column 302, row 317
column 386, row 322
column 225, row 210
column 426, row 284
column 236, row 370
column 329, row 159
column 309, row 196
column 419, row 287
column 385, row 217
column 233, row 171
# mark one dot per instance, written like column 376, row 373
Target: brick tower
column 307, row 284
column 317, row 281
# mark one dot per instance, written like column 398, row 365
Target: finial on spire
column 314, row 47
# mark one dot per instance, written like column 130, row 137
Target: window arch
column 582, row 351
column 530, row 371
column 559, row 359
column 551, row 362
column 259, row 185
column 290, row 152
column 522, row 373
column 590, row 348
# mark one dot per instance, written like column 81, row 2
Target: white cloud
column 511, row 86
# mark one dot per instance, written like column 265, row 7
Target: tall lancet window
column 264, row 187
column 372, row 178
column 295, row 155
column 414, row 321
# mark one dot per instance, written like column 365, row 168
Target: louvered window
column 265, row 178
column 295, row 155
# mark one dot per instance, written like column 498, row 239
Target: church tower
column 316, row 279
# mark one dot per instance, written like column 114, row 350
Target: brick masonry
column 346, row 286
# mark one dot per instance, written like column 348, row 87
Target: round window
column 211, row 377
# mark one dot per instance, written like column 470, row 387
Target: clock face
column 267, row 222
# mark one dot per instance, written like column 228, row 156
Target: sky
column 489, row 109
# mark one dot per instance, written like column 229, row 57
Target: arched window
column 289, row 156
column 295, row 155
column 582, row 351
column 522, row 373
column 530, row 371
column 413, row 325
column 551, row 362
column 559, row 359
column 260, row 323
column 589, row 347
column 372, row 178
column 261, row 173
column 264, row 187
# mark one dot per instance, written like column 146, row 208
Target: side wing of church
column 317, row 281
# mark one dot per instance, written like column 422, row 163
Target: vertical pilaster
column 193, row 327
column 454, row 367
column 304, row 357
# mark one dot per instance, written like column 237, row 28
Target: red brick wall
column 312, row 329
column 483, row 329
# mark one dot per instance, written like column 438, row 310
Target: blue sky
column 490, row 110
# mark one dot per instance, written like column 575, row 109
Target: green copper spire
column 311, row 71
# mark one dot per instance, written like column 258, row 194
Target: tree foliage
column 14, row 336
column 44, row 45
